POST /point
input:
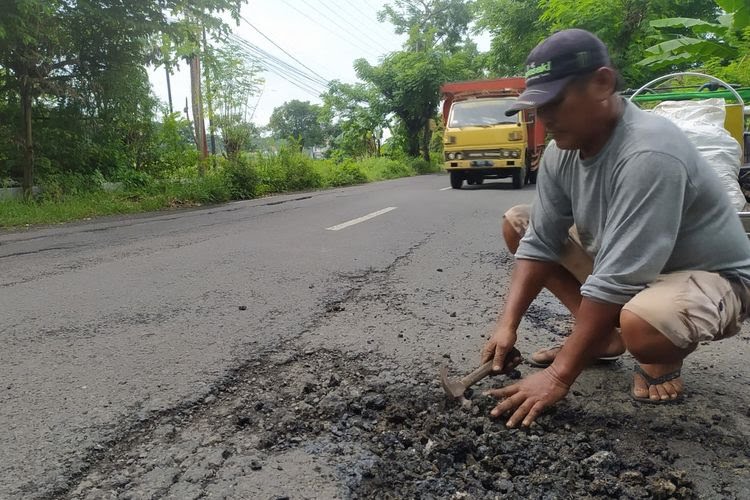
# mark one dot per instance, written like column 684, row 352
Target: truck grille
column 493, row 153
column 484, row 154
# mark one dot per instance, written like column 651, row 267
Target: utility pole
column 169, row 89
column 211, row 127
column 28, row 138
column 257, row 103
column 200, row 126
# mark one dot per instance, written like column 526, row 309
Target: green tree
column 720, row 44
column 436, row 50
column 410, row 85
column 172, row 147
column 233, row 81
column 445, row 21
column 624, row 25
column 297, row 120
column 32, row 49
column 54, row 50
column 360, row 116
column 465, row 63
column 515, row 27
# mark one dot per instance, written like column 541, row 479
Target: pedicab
column 675, row 92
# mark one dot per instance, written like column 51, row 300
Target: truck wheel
column 457, row 179
column 531, row 176
column 532, row 161
column 518, row 177
column 479, row 181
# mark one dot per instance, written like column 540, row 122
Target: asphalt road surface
column 289, row 346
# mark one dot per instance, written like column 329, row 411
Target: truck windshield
column 480, row 113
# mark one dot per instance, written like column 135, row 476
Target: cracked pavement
column 243, row 351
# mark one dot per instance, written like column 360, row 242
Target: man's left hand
column 529, row 397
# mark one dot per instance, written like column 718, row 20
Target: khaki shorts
column 685, row 306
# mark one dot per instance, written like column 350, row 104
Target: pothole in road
column 327, row 424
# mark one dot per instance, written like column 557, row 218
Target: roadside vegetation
column 69, row 197
column 83, row 135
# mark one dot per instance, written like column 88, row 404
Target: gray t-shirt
column 646, row 204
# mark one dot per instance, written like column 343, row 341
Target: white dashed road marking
column 344, row 225
column 446, row 189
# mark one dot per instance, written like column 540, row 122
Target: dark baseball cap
column 555, row 62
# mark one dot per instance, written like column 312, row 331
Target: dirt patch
column 302, row 425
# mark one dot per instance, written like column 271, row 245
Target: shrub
column 209, row 189
column 133, row 179
column 171, row 148
column 298, row 169
column 271, row 176
column 187, row 171
column 422, row 166
column 56, row 186
column 396, row 169
column 288, row 170
column 241, row 178
column 344, row 174
column 385, row 168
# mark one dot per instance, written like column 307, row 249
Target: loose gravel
column 325, row 424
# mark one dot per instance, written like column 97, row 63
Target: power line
column 374, row 17
column 335, row 33
column 376, row 42
column 284, row 51
column 262, row 54
column 332, row 21
column 383, row 26
column 373, row 7
column 287, row 73
column 290, row 79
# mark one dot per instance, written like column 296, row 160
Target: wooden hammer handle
column 477, row 375
column 484, row 370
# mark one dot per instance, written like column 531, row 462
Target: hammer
column 456, row 388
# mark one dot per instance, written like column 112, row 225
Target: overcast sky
column 324, row 35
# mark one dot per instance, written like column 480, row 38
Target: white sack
column 703, row 122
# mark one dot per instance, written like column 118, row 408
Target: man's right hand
column 499, row 347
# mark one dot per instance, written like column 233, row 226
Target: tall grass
column 67, row 198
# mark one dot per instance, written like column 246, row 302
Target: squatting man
column 630, row 229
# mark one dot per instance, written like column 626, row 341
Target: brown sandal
column 655, row 381
column 545, row 364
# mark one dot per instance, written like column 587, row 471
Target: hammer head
column 456, row 387
column 452, row 387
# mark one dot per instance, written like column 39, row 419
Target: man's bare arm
column 594, row 324
column 527, row 398
column 526, row 282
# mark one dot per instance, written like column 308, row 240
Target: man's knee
column 635, row 332
column 685, row 307
column 646, row 343
column 515, row 223
column 511, row 236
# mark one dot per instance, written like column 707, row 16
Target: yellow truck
column 480, row 142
